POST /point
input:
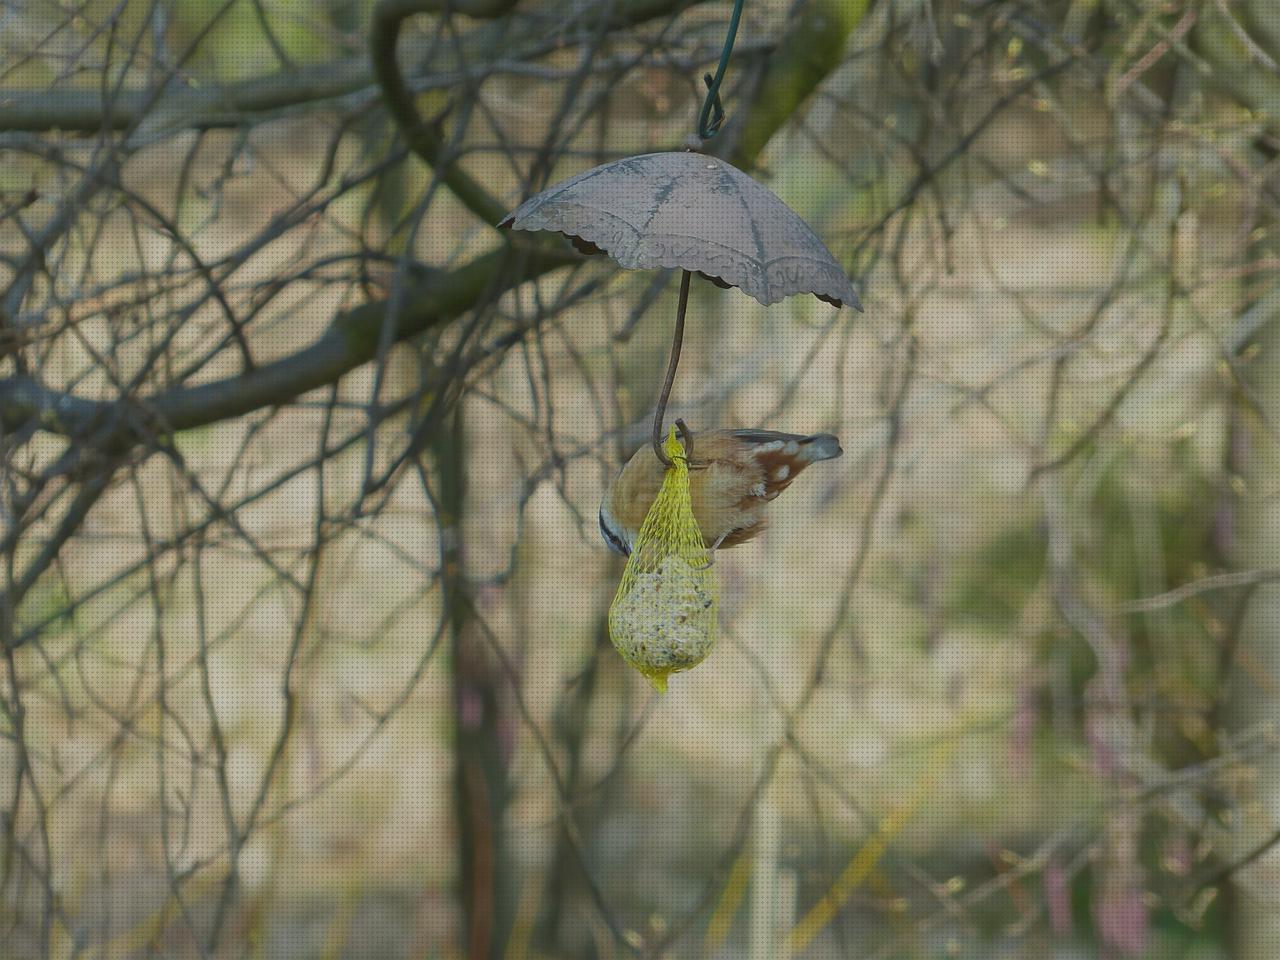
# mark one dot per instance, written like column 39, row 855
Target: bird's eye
column 612, row 539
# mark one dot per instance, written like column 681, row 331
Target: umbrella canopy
column 694, row 212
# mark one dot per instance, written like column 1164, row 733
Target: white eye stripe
column 614, row 541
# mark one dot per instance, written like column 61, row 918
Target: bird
column 733, row 475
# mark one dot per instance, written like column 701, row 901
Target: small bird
column 733, row 475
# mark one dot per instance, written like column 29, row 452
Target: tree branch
column 389, row 17
column 80, row 111
column 1237, row 50
column 351, row 341
column 812, row 49
column 181, row 108
column 801, row 64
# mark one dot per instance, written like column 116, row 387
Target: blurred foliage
column 327, row 674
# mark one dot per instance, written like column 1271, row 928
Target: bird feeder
column 699, row 214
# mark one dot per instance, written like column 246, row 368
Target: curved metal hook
column 709, row 125
column 686, row 437
column 709, row 128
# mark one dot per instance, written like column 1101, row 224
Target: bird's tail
column 820, row 446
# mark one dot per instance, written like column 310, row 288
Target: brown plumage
column 733, row 476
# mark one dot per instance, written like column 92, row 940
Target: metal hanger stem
column 712, row 114
column 677, row 340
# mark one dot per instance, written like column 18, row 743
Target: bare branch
column 350, row 342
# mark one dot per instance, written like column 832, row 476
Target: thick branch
column 813, row 48
column 423, row 138
column 82, row 111
column 1243, row 46
column 801, row 63
column 350, row 342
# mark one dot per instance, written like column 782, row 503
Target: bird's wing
column 749, row 435
column 809, row 448
column 763, row 462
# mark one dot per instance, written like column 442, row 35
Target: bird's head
column 614, row 535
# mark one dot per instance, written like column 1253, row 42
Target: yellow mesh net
column 663, row 617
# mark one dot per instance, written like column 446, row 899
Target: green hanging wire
column 712, row 115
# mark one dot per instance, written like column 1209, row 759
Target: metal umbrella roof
column 694, row 212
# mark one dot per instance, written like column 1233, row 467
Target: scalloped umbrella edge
column 693, row 212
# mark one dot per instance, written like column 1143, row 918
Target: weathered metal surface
column 693, row 212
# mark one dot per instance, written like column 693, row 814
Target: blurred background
column 304, row 651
